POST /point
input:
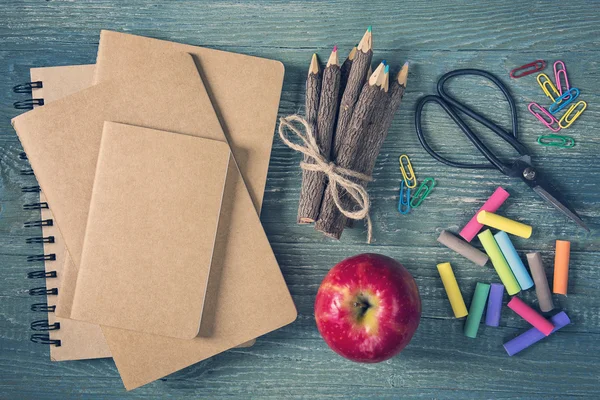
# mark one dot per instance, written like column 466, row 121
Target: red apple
column 368, row 308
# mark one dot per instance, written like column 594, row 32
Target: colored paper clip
column 556, row 141
column 561, row 70
column 549, row 120
column 422, row 192
column 409, row 177
column 404, row 199
column 566, row 117
column 548, row 87
column 564, row 100
column 528, row 69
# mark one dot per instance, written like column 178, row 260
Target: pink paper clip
column 560, row 69
column 540, row 112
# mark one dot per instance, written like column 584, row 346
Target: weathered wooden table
column 294, row 362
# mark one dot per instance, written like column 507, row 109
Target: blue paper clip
column 404, row 199
column 564, row 100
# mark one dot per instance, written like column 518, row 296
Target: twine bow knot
column 338, row 176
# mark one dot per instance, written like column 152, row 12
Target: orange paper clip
column 548, row 87
column 528, row 69
column 576, row 108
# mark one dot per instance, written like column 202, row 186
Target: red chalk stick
column 531, row 316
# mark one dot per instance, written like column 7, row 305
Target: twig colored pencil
column 380, row 125
column 352, row 90
column 313, row 183
column 313, row 91
column 331, row 221
column 345, row 70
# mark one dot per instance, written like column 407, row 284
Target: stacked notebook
column 152, row 166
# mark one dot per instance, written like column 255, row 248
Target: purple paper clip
column 560, row 69
column 547, row 122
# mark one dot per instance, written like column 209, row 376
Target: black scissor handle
column 456, row 118
column 450, row 105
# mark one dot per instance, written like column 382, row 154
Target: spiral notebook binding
column 40, row 239
column 39, row 325
column 44, row 338
column 28, row 104
column 40, row 222
column 35, row 206
column 27, row 87
column 42, row 257
column 31, row 189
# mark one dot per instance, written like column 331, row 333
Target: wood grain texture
column 294, row 362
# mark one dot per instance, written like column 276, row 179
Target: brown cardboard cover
column 245, row 279
column 150, row 231
column 79, row 340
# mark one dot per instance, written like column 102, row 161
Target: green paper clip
column 422, row 192
column 556, row 141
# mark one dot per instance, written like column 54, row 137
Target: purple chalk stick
column 494, row 305
column 533, row 335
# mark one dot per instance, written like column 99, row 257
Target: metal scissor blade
column 560, row 206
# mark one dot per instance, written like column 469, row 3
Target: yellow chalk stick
column 504, row 224
column 452, row 290
column 499, row 262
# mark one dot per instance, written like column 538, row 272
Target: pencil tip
column 335, row 48
column 403, row 74
column 384, row 62
column 387, row 69
column 369, row 28
column 314, row 64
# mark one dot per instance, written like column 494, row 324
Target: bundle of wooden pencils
column 350, row 109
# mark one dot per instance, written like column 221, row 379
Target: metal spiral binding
column 28, row 104
column 39, row 325
column 40, row 239
column 31, row 189
column 27, row 87
column 35, row 206
column 41, row 222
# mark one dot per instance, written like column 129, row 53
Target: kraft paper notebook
column 168, row 95
column 71, row 340
column 151, row 188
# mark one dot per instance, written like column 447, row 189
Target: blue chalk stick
column 513, row 260
column 533, row 335
column 494, row 305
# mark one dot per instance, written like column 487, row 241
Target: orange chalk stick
column 561, row 266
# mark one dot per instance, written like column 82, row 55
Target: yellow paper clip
column 410, row 176
column 565, row 118
column 548, row 87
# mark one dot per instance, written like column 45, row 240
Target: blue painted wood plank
column 294, row 362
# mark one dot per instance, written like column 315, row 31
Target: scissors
column 520, row 167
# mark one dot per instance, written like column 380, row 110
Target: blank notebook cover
column 244, row 270
column 73, row 340
column 151, row 230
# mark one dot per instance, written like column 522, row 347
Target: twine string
column 338, row 177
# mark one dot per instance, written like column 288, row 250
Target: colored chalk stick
column 504, row 224
column 452, row 290
column 542, row 290
column 494, row 305
column 492, row 205
column 533, row 335
column 463, row 248
column 530, row 315
column 500, row 265
column 561, row 266
column 513, row 260
column 476, row 309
